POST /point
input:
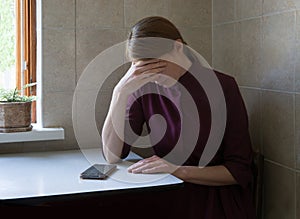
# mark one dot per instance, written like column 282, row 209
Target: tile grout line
column 75, row 41
column 260, row 92
column 124, row 17
column 282, row 165
column 270, row 90
column 212, row 33
column 294, row 102
column 254, row 17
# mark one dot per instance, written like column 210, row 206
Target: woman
column 222, row 188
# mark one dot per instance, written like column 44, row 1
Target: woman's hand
column 140, row 73
column 152, row 164
column 212, row 176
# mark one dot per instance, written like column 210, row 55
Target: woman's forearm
column 112, row 144
column 210, row 176
column 113, row 129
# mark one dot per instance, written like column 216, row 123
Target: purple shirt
column 235, row 151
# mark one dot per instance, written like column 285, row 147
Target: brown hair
column 154, row 27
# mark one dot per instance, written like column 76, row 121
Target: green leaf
column 14, row 95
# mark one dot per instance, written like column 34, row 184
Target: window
column 21, row 48
column 18, row 46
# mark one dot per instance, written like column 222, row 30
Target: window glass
column 7, row 44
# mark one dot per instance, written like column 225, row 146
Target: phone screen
column 98, row 171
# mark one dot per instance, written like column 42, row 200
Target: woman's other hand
column 152, row 164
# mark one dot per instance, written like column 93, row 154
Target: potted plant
column 15, row 110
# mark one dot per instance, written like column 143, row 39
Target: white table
column 50, row 174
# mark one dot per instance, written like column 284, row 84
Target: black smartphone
column 98, row 171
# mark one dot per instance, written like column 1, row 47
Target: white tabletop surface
column 30, row 175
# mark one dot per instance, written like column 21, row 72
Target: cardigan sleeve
column 237, row 152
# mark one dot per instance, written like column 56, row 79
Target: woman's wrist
column 181, row 173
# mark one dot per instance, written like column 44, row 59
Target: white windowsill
column 37, row 134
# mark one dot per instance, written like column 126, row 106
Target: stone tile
column 102, row 106
column 297, row 130
column 7, row 148
column 37, row 146
column 279, row 192
column 297, row 68
column 223, row 11
column 193, row 13
column 54, row 145
column 298, row 196
column 278, row 50
column 200, row 39
column 248, row 9
column 99, row 14
column 68, row 143
column 252, row 99
column 58, row 70
column 105, row 93
column 249, row 60
column 57, row 109
column 91, row 42
column 297, row 55
column 271, row 6
column 278, row 127
column 224, row 48
column 112, row 80
column 298, row 25
column 58, row 13
column 84, row 119
column 34, row 146
column 136, row 10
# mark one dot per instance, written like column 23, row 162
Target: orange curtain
column 26, row 18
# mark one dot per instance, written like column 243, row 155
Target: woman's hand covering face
column 140, row 73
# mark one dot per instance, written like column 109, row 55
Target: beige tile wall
column 75, row 31
column 257, row 41
column 279, row 192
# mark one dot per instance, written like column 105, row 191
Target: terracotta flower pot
column 15, row 116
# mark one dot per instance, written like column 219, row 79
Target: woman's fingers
column 140, row 63
column 153, row 67
column 143, row 163
column 139, row 74
column 146, row 166
column 153, row 164
column 135, row 82
column 157, row 169
column 155, row 70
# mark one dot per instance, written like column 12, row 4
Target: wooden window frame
column 26, row 47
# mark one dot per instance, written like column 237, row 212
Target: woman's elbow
column 110, row 157
column 112, row 160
